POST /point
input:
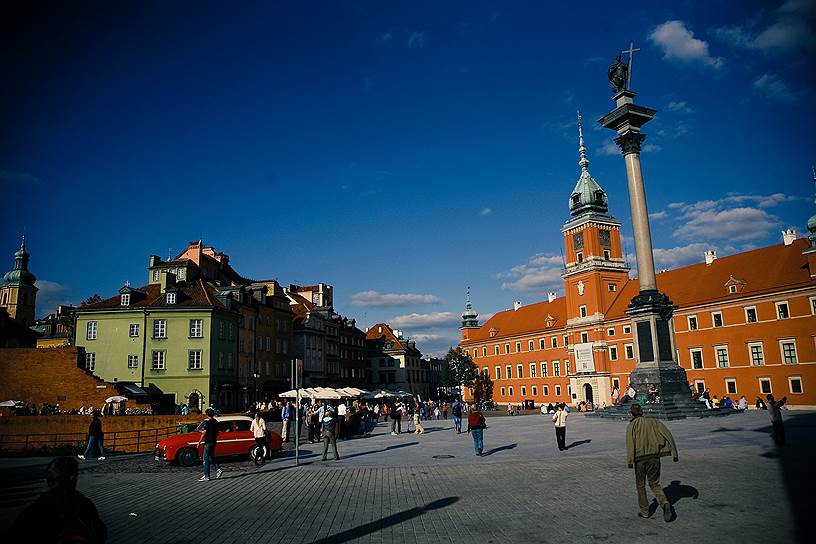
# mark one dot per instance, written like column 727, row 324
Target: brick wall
column 47, row 375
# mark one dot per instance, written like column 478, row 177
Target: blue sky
column 397, row 151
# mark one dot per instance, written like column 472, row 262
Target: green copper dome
column 20, row 274
column 587, row 196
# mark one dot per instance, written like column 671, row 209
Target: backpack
column 457, row 410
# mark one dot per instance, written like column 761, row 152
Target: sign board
column 583, row 358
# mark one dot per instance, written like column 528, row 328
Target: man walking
column 329, row 423
column 341, row 419
column 210, row 436
column 774, row 411
column 286, row 415
column 396, row 419
column 647, row 440
column 457, row 416
column 560, row 421
column 95, row 438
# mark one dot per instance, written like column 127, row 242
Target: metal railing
column 135, row 441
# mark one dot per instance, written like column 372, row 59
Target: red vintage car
column 234, row 438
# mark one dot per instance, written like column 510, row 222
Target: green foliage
column 482, row 387
column 459, row 370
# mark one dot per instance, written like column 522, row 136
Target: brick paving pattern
column 732, row 486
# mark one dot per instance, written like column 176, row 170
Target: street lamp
column 255, row 376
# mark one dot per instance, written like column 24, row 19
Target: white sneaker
column 393, row 433
column 204, row 479
column 218, row 473
column 81, row 457
column 102, row 458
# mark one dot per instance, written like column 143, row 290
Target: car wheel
column 252, row 452
column 187, row 457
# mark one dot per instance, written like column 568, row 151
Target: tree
column 459, row 370
column 93, row 299
column 482, row 387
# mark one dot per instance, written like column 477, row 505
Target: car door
column 244, row 437
column 226, row 438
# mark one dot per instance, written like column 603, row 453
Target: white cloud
column 679, row 106
column 680, row 255
column 541, row 274
column 763, row 201
column 774, row 88
column 375, row 298
column 485, row 212
column 386, row 36
column 608, row 148
column 735, row 224
column 650, row 148
column 658, row 215
column 792, row 29
column 678, row 43
column 416, row 39
column 433, row 319
column 50, row 295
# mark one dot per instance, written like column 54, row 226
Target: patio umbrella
column 11, row 403
column 116, row 398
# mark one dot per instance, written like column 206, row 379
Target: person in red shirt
column 476, row 426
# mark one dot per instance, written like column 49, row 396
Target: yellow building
column 18, row 294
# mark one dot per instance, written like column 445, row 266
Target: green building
column 174, row 337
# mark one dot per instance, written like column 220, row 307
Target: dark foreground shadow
column 388, row 521
column 675, row 491
column 579, row 442
column 500, row 448
column 381, row 450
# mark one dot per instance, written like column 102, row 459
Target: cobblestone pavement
column 731, row 485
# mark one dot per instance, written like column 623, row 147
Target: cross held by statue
column 631, row 52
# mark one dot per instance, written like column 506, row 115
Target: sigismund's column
column 651, row 310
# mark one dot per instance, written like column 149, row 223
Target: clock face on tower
column 605, row 239
column 578, row 240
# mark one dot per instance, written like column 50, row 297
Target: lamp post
column 255, row 376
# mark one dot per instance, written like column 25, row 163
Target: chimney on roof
column 788, row 236
column 710, row 256
column 516, row 305
column 551, row 296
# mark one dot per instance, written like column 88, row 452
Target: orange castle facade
column 743, row 325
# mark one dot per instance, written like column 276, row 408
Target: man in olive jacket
column 647, row 440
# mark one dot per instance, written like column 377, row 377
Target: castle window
column 722, row 356
column 612, row 287
column 171, row 298
column 132, row 361
column 159, row 360
column 554, row 342
column 519, row 371
column 692, row 323
column 498, row 372
column 90, row 361
column 155, row 275
column 484, row 352
column 788, row 348
column 531, row 345
column 717, row 319
column 578, row 240
column 607, row 255
column 134, row 330
column 546, row 390
column 542, row 343
column 732, row 289
column 630, row 351
column 583, row 311
column 599, row 196
column 584, row 337
column 782, row 310
column 90, row 330
column 125, row 299
column 508, row 370
column 613, row 353
column 518, row 347
column 532, row 370
column 731, row 386
column 543, row 369
column 579, row 257
column 795, row 383
column 610, row 332
column 757, row 354
column 696, row 358
column 627, row 329
column 576, row 199
column 507, row 348
column 605, row 238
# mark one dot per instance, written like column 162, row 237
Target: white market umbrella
column 11, row 403
column 294, row 393
column 326, row 393
column 116, row 398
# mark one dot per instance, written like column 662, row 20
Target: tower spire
column 583, row 162
column 469, row 316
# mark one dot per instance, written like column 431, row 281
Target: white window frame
column 692, row 351
column 194, row 360
column 196, row 326
column 159, row 360
column 779, row 305
column 496, row 349
column 761, row 347
column 613, row 353
column 171, row 298
column 133, row 361
column 544, row 369
column 523, row 391
column 554, row 342
column 612, row 287
column 629, row 351
column 582, row 310
column 696, row 323
column 542, row 343
column 531, row 345
column 506, row 348
column 556, row 368
column 714, row 319
column 90, row 362
column 503, row 393
column 533, row 370
column 518, row 347
column 498, row 373
column 627, row 329
column 765, row 379
column 545, row 390
column 519, row 371
column 566, row 367
column 732, row 289
column 717, row 350
column 508, row 369
column 782, row 343
column 566, row 340
column 484, row 351
column 159, row 328
column 699, row 385
column 756, row 316
column 610, row 331
column 535, row 391
column 801, row 385
column 812, row 307
column 510, row 391
column 124, row 300
column 91, row 330
column 133, row 330
column 557, row 390
column 729, row 381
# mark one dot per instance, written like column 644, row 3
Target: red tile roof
column 532, row 317
column 197, row 294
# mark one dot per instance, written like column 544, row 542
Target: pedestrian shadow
column 579, row 442
column 500, row 448
column 388, row 521
column 727, row 430
column 381, row 450
column 676, row 491
column 255, row 472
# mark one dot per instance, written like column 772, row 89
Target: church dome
column 587, row 196
column 20, row 275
